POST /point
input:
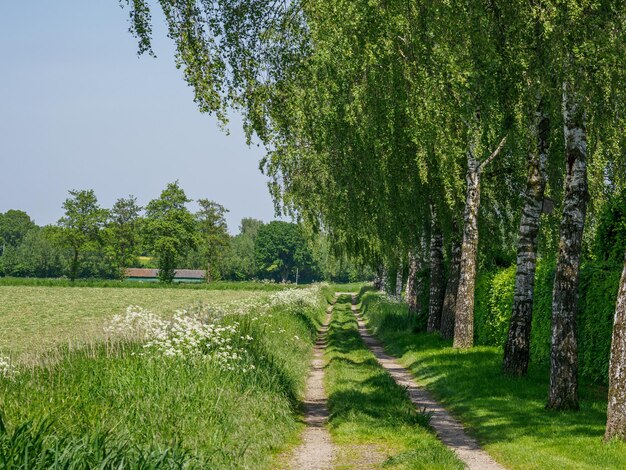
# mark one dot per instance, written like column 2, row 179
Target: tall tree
column 239, row 262
column 281, row 249
column 169, row 229
column 564, row 353
column 81, row 224
column 213, row 234
column 464, row 308
column 412, row 293
column 435, row 301
column 122, row 233
column 14, row 225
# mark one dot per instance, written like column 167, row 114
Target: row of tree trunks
column 378, row 279
column 435, row 300
column 517, row 348
column 415, row 279
column 616, row 412
column 410, row 294
column 452, row 285
column 564, row 353
column 399, row 279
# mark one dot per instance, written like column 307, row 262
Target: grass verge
column 112, row 407
column 507, row 415
column 371, row 418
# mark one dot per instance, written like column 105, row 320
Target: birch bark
column 411, row 293
column 464, row 308
column 616, row 413
column 564, row 352
column 517, row 348
column 452, row 286
column 399, row 280
column 435, row 301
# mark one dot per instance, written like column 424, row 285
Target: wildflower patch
column 200, row 332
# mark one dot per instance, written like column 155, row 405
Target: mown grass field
column 36, row 319
column 220, row 391
column 507, row 415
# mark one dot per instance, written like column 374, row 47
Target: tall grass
column 115, row 407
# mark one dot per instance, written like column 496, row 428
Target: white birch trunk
column 616, row 412
column 564, row 352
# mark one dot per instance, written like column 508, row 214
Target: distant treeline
column 92, row 242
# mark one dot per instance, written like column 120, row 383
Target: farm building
column 151, row 275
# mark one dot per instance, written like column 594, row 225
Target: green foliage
column 611, row 232
column 81, row 226
column 38, row 255
column 212, row 235
column 598, row 294
column 122, row 233
column 14, row 226
column 388, row 315
column 493, row 305
column 333, row 266
column 597, row 291
column 280, row 249
column 541, row 333
column 238, row 261
column 169, row 229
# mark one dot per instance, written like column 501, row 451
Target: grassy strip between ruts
column 372, row 420
column 507, row 415
column 112, row 407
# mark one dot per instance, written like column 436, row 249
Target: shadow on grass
column 501, row 409
column 364, row 392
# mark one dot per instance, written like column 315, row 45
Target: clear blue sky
column 79, row 110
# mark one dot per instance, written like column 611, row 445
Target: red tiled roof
column 153, row 273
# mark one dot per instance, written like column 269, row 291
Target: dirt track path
column 316, row 451
column 448, row 429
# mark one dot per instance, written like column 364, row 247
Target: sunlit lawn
column 507, row 415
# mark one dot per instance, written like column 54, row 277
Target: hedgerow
column 598, row 291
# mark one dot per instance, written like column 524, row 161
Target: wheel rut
column 316, row 452
column 449, row 430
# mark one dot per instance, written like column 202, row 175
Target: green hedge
column 598, row 291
